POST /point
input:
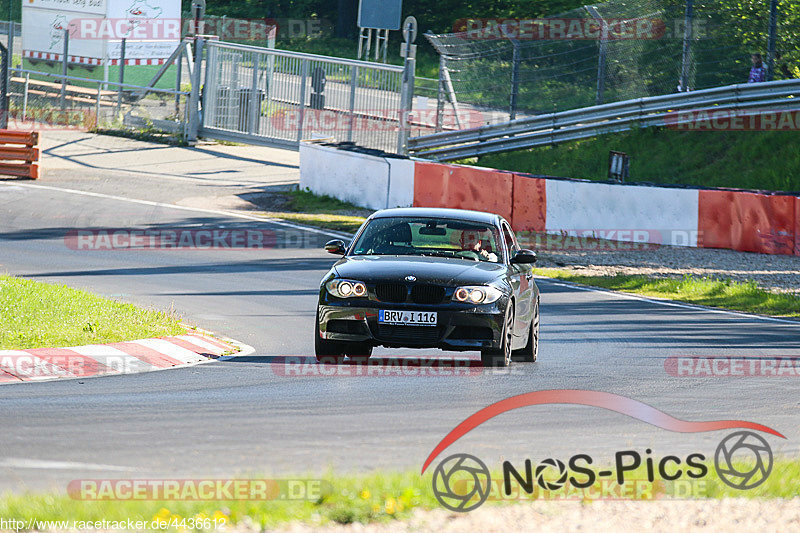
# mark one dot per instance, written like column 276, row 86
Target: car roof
column 439, row 212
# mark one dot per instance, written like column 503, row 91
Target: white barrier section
column 623, row 212
column 365, row 180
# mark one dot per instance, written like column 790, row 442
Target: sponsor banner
column 732, row 367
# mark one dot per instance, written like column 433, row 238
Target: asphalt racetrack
column 252, row 415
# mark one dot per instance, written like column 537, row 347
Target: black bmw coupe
column 430, row 278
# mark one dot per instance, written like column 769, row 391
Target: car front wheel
column 334, row 352
column 501, row 357
column 530, row 352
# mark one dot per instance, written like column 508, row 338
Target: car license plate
column 407, row 318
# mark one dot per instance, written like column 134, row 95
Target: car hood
column 436, row 270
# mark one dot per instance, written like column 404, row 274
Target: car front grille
column 409, row 334
column 391, row 292
column 427, row 294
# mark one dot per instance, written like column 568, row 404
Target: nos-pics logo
column 462, row 482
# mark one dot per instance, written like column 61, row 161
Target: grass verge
column 378, row 497
column 722, row 293
column 745, row 159
column 41, row 315
column 305, row 207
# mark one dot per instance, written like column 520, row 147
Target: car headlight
column 346, row 288
column 477, row 295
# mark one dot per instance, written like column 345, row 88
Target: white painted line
column 665, row 302
column 184, row 208
column 13, row 462
column 172, row 350
column 199, row 341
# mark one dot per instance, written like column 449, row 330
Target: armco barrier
column 529, row 211
column 460, row 187
column 19, row 146
column 748, row 222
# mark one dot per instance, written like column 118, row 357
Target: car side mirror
column 524, row 257
column 335, row 247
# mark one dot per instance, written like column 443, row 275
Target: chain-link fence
column 41, row 100
column 610, row 52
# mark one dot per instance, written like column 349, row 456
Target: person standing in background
column 757, row 73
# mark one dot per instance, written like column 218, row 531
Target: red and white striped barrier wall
column 50, row 56
column 130, row 357
column 736, row 220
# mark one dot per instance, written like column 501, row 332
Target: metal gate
column 268, row 96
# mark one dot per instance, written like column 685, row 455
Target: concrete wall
column 364, row 180
column 737, row 220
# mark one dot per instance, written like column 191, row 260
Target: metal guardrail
column 608, row 118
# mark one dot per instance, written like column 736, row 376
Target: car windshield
column 437, row 237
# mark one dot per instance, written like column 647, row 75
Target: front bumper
column 460, row 327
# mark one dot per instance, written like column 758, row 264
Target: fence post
column 255, row 101
column 512, row 114
column 194, row 96
column 121, row 75
column 440, row 95
column 601, row 54
column 64, row 71
column 303, row 84
column 11, row 32
column 353, row 88
column 6, row 79
column 773, row 26
column 97, row 106
column 406, row 94
column 688, row 36
column 178, row 75
column 25, row 97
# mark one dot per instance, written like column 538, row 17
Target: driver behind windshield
column 471, row 242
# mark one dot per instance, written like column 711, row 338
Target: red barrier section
column 797, row 226
column 747, row 222
column 530, row 204
column 439, row 185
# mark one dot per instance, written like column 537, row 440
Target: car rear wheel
column 530, row 352
column 501, row 357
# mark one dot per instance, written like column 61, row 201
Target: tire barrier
column 22, row 147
